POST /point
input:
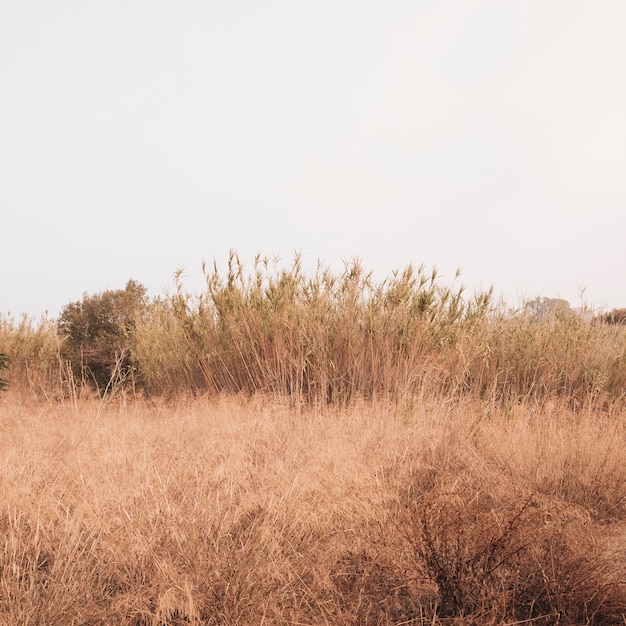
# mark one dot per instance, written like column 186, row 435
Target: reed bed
column 324, row 338
column 245, row 510
column 331, row 338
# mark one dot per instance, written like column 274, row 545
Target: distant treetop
column 616, row 316
column 544, row 307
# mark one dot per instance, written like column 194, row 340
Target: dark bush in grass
column 98, row 333
column 513, row 559
column 616, row 316
column 4, row 364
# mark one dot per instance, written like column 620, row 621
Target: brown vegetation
column 97, row 334
column 319, row 339
column 285, row 449
column 616, row 316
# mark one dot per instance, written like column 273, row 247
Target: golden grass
column 33, row 350
column 233, row 510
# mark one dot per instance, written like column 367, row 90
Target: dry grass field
column 312, row 449
column 251, row 510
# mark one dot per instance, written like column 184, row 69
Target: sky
column 142, row 137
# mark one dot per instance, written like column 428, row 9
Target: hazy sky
column 137, row 137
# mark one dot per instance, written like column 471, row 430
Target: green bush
column 98, row 334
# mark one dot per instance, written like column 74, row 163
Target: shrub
column 616, row 316
column 99, row 331
column 543, row 308
column 498, row 553
column 4, row 364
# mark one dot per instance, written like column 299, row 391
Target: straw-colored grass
column 246, row 510
column 32, row 347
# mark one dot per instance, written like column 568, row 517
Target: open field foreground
column 247, row 511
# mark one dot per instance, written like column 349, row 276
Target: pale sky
column 139, row 137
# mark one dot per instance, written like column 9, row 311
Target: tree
column 98, row 333
column 548, row 308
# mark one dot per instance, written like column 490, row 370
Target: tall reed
column 515, row 357
column 326, row 337
column 321, row 338
column 332, row 337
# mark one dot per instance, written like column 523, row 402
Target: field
column 324, row 449
column 246, row 510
